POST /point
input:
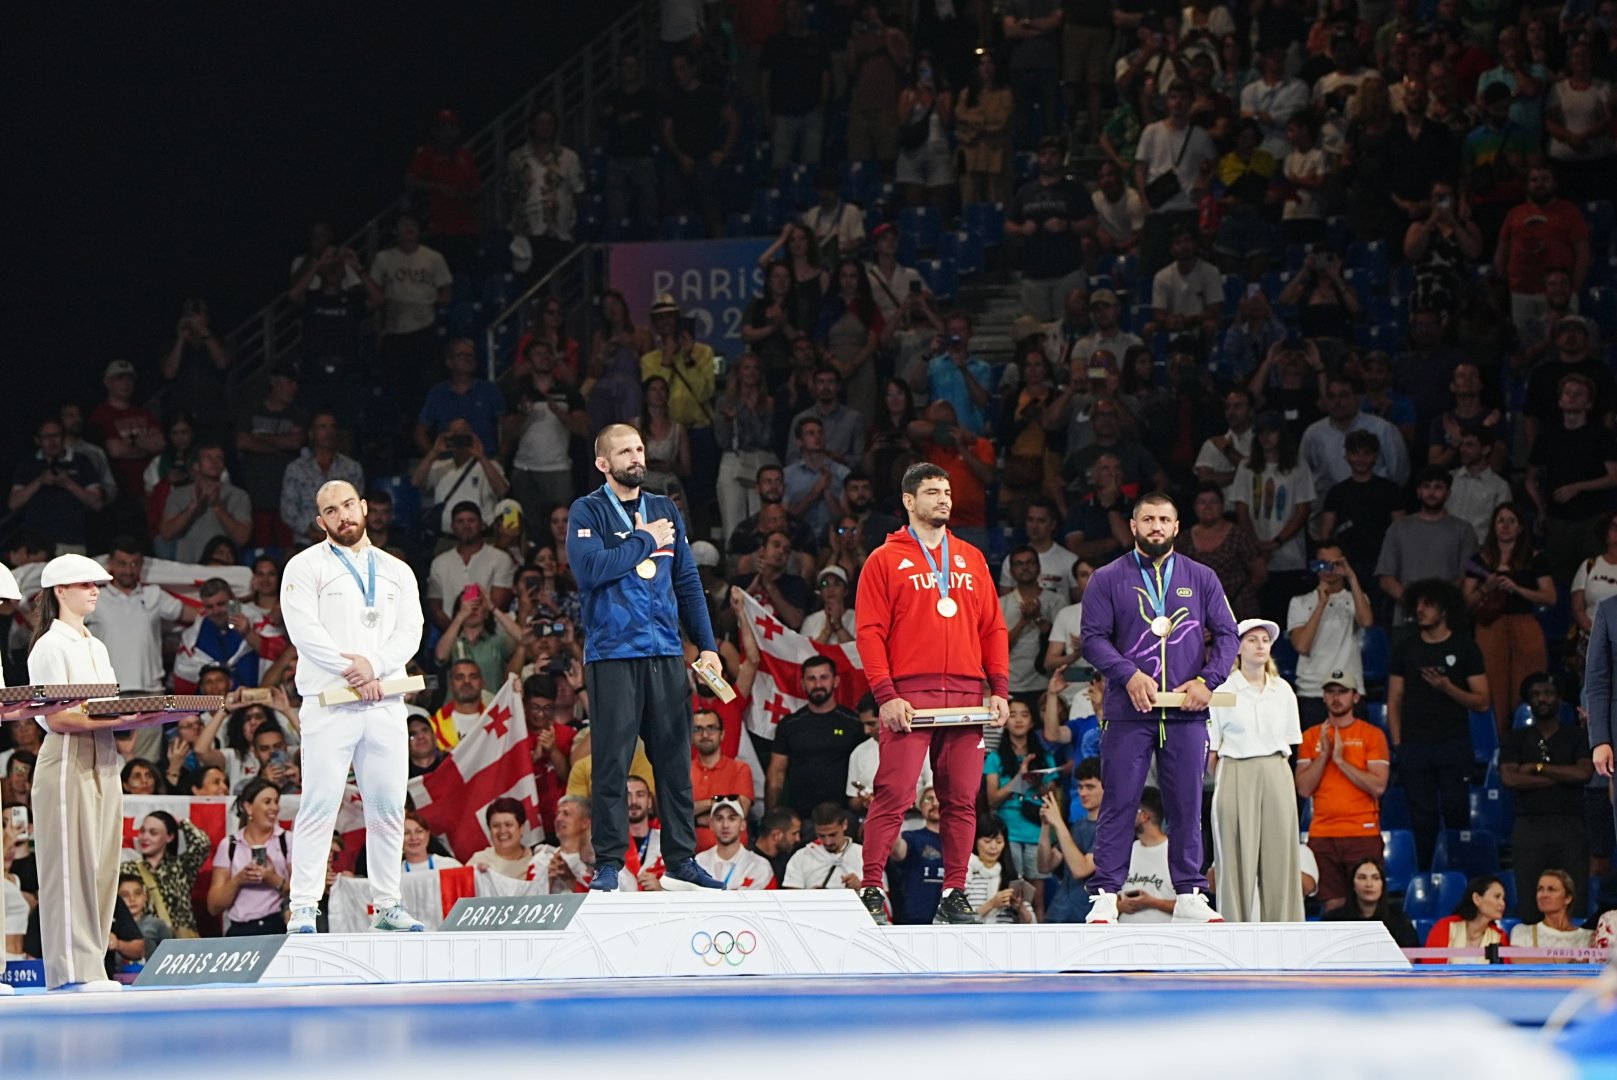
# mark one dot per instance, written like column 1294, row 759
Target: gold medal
column 1160, row 626
column 646, row 569
column 947, row 607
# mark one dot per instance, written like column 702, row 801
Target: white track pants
column 375, row 739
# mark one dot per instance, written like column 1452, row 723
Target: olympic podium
column 806, row 933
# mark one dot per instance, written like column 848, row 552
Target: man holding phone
column 1326, row 627
column 638, row 587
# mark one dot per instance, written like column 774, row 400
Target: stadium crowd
column 1335, row 276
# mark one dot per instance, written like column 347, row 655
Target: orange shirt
column 728, row 777
column 1341, row 808
column 970, row 495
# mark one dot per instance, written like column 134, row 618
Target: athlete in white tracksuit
column 354, row 614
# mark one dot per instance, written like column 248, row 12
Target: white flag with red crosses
column 777, row 692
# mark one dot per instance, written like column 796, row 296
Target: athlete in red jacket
column 930, row 634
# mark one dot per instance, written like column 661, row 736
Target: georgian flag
column 777, row 692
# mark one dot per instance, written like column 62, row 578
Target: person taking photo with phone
column 252, row 868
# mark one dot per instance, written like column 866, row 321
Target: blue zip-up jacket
column 626, row 616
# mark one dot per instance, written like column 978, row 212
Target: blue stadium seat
column 738, row 225
column 1376, row 655
column 1591, row 897
column 1361, row 283
column 1284, row 654
column 1600, row 217
column 1432, row 896
column 1484, row 736
column 1124, row 267
column 941, row 277
column 861, row 182
column 1470, row 851
column 1423, row 928
column 1296, row 256
column 1305, row 814
column 1523, row 717
column 406, row 498
column 1338, row 233
column 1600, row 304
column 1403, row 282
column 1398, row 858
column 1376, row 713
column 498, row 292
column 681, row 227
column 1371, row 258
column 1027, row 163
column 1394, row 808
column 1509, row 882
column 964, row 248
column 985, row 221
column 923, row 224
column 462, row 291
column 251, row 555
column 768, row 210
column 463, row 319
column 621, row 231
column 1492, row 809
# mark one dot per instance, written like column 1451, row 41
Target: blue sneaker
column 689, row 876
column 605, row 879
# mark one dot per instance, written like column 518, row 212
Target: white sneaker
column 6, row 989
column 396, row 918
column 304, row 920
column 96, row 986
column 1102, row 908
column 1193, row 907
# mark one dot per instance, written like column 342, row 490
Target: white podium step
column 812, row 933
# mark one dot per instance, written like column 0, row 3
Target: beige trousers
column 1255, row 840
column 79, row 818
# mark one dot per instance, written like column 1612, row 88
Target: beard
column 859, row 505
column 348, row 534
column 631, row 476
column 819, row 696
column 1156, row 549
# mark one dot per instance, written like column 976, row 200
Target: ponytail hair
column 46, row 609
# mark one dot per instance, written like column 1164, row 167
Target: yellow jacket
column 690, row 384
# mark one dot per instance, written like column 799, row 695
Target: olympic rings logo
column 723, row 947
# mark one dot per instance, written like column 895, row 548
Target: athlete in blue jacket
column 637, row 585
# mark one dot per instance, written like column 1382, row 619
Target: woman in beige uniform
column 78, row 799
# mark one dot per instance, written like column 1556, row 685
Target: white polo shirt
column 813, row 867
column 489, row 567
column 131, row 626
column 1262, row 722
column 1336, row 644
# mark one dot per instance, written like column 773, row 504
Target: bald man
column 354, row 614
column 638, row 586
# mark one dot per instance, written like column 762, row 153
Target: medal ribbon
column 367, row 589
column 617, row 504
column 1158, row 598
column 941, row 577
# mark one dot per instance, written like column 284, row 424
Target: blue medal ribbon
column 367, row 588
column 941, row 577
column 617, row 504
column 1159, row 600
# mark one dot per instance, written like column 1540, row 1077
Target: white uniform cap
column 8, row 584
column 73, row 570
column 1246, row 626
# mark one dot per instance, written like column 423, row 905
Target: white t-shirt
column 814, row 623
column 441, row 479
column 843, row 225
column 1474, row 497
column 131, row 626
column 1159, row 147
column 1270, row 499
column 1596, row 583
column 542, row 446
column 898, row 285
column 1332, row 81
column 1211, row 457
column 1179, row 293
column 862, row 770
column 410, row 284
column 1026, row 652
column 449, row 575
column 1148, row 873
column 1122, row 219
column 1580, row 110
column 1281, row 102
column 813, row 867
column 1337, row 643
column 1055, row 573
column 748, row 870
column 1309, row 204
column 1068, row 624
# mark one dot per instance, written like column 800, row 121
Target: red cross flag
column 491, row 761
column 778, row 690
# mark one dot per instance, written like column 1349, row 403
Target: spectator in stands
column 699, row 130
column 1442, row 247
column 1428, row 544
column 1031, row 464
column 1222, row 455
column 1307, row 169
column 481, row 633
column 1057, row 218
column 139, row 777
column 1342, row 764
column 1544, row 233
column 814, row 479
column 1246, row 237
column 268, row 438
column 1187, row 295
column 1273, row 99
column 995, row 885
column 687, row 367
column 132, row 891
column 773, row 580
column 1571, row 469
column 889, row 451
column 849, row 329
column 795, row 87
column 425, row 753
column 252, row 867
column 962, row 379
column 1106, row 335
column 918, row 857
column 462, row 396
column 859, row 504
column 56, row 490
column 1055, row 572
column 1546, row 765
column 1435, row 678
column 1096, row 525
column 131, row 436
column 1326, row 304
column 1033, row 30
column 1029, row 611
column 615, row 352
column 1494, row 158
column 337, row 295
column 208, row 507
column 668, row 443
column 130, row 619
column 1554, row 901
column 318, row 463
column 456, row 469
column 628, row 115
column 569, row 864
column 775, row 319
column 725, row 858
column 1274, row 492
column 1419, row 150
column 380, row 526
column 843, row 427
column 772, row 516
column 982, row 123
column 780, row 832
column 925, row 168
column 1503, row 585
column 1119, row 215
column 878, row 56
column 1596, row 579
column 444, row 172
column 970, row 462
column 194, row 367
column 1475, row 922
column 506, row 854
column 415, row 281
column 1470, row 414
column 832, row 861
column 715, row 777
column 544, row 180
column 1575, row 352
column 1147, row 895
column 418, row 854
column 1229, row 549
column 1370, row 903
column 743, row 425
column 809, row 760
column 1324, row 443
column 831, row 229
column 167, row 870
column 469, row 563
column 1173, row 165
column 1577, row 115
column 1538, row 339
column 222, row 635
column 1106, row 415
column 1326, row 626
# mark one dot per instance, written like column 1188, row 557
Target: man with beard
column 809, row 762
column 931, row 633
column 1430, row 543
column 638, row 586
column 1144, row 620
column 715, row 777
column 354, row 615
column 570, row 862
column 749, row 536
column 859, row 503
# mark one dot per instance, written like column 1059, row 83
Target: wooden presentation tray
column 1167, row 699
column 342, row 695
column 969, row 716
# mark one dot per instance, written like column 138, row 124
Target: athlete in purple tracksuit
column 1145, row 618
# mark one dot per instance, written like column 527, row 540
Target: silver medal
column 370, row 618
column 1160, row 626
